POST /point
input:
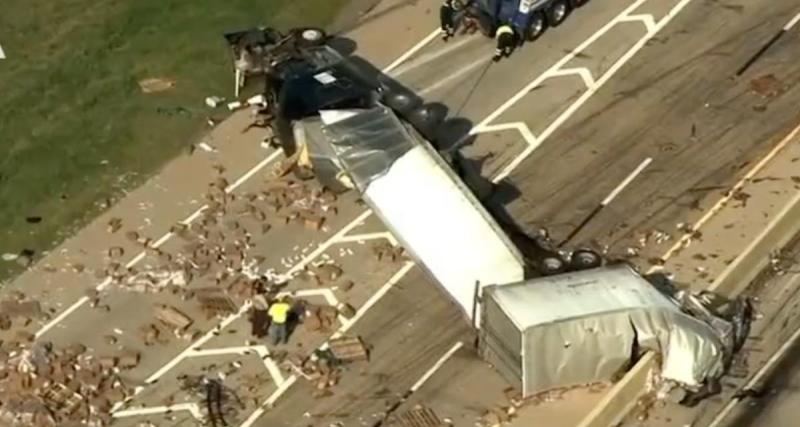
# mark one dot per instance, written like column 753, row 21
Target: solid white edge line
column 409, row 53
column 615, row 192
column 436, row 366
column 284, row 385
column 555, row 124
column 431, row 56
column 792, row 23
column 687, row 237
column 141, row 255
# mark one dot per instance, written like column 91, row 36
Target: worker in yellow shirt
column 279, row 315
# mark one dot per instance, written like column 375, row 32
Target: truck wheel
column 303, row 173
column 557, row 12
column 584, row 259
column 310, row 36
column 485, row 24
column 551, row 265
column 537, row 26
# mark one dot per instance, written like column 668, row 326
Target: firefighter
column 447, row 19
column 506, row 40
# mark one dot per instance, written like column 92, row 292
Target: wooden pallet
column 420, row 416
column 348, row 349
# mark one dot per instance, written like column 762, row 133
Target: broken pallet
column 348, row 349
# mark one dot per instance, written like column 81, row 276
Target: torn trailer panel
column 417, row 196
column 588, row 326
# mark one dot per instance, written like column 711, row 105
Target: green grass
column 75, row 128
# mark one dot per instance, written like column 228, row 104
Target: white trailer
column 418, row 197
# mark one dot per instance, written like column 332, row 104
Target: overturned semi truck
column 541, row 333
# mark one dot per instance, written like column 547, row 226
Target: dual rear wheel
column 552, row 16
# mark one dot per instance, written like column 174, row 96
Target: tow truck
column 528, row 18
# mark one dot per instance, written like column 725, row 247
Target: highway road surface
column 632, row 104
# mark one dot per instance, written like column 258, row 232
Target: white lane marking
column 436, row 366
column 560, row 120
column 614, row 193
column 646, row 19
column 328, row 243
column 141, row 255
column 260, row 350
column 432, row 56
column 368, row 236
column 328, row 295
column 582, row 72
column 373, row 300
column 792, row 23
column 269, row 403
column 2, row 53
column 83, row 300
column 789, row 344
column 687, row 237
column 452, row 76
column 521, row 127
column 409, row 53
column 569, row 57
column 193, row 408
column 340, row 332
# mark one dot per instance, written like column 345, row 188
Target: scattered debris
column 348, row 349
column 173, row 317
column 214, row 101
column 418, row 416
column 113, row 225
column 156, row 84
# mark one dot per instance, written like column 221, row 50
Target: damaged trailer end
column 587, row 327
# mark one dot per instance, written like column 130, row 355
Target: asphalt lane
column 678, row 102
column 642, row 111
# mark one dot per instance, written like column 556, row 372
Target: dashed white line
column 615, row 192
column 436, row 366
column 792, row 23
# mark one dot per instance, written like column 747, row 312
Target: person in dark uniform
column 447, row 19
column 506, row 41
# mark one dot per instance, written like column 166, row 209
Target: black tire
column 584, row 259
column 310, row 36
column 303, row 173
column 557, row 12
column 551, row 265
column 536, row 27
column 577, row 3
column 485, row 24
